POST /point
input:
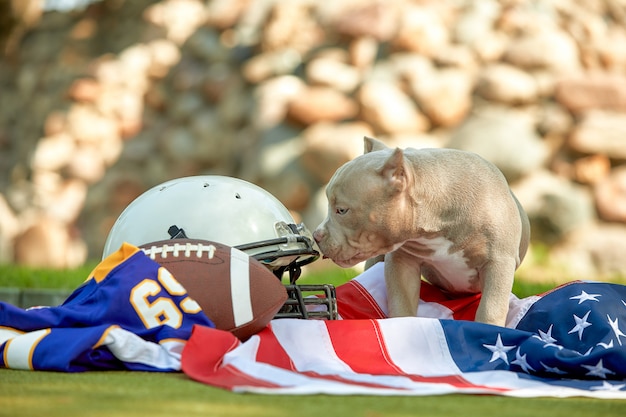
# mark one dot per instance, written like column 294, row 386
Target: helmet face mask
column 293, row 248
column 318, row 301
column 235, row 213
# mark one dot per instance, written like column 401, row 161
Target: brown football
column 237, row 292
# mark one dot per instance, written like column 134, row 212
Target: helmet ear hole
column 237, row 196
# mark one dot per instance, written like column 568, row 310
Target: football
column 237, row 292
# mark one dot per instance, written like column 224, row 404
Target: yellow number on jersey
column 163, row 310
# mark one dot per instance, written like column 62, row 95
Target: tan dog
column 443, row 214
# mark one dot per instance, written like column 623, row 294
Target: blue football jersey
column 129, row 314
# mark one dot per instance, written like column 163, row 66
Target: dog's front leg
column 497, row 282
column 403, row 280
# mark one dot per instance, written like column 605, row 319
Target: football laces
column 177, row 249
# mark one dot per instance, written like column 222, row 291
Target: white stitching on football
column 175, row 250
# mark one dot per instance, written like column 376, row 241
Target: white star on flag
column 598, row 370
column 547, row 338
column 554, row 370
column 585, row 297
column 581, row 325
column 499, row 350
column 520, row 360
column 607, row 386
column 615, row 326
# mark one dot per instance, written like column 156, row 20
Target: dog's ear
column 372, row 145
column 395, row 171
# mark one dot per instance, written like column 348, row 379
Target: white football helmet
column 229, row 211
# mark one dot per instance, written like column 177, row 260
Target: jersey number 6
column 161, row 310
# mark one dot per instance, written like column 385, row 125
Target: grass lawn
column 117, row 393
column 112, row 394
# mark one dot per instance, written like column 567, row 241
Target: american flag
column 568, row 342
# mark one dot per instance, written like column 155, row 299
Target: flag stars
column 606, row 345
column 581, row 325
column 553, row 370
column 615, row 326
column 586, row 297
column 547, row 338
column 520, row 360
column 606, row 386
column 598, row 370
column 499, row 350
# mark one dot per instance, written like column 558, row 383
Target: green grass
column 128, row 394
column 25, row 277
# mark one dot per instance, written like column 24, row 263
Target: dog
column 444, row 214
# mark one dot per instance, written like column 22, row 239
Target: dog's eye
column 341, row 211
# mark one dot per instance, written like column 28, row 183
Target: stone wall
column 105, row 103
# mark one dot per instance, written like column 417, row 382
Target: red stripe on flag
column 462, row 307
column 355, row 302
column 271, row 351
column 364, row 350
column 230, row 377
column 336, row 378
column 203, row 355
column 455, row 381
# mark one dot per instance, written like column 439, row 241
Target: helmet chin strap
column 294, row 270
